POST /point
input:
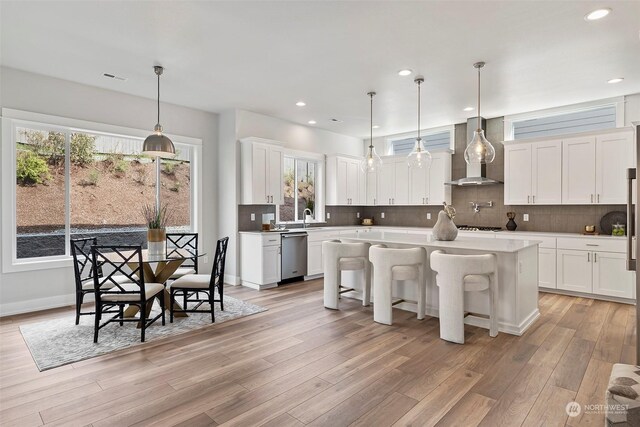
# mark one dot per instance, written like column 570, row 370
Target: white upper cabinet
column 346, row 183
column 614, row 154
column 594, row 168
column 371, row 198
column 262, row 169
column 546, row 173
column 579, row 170
column 517, row 174
column 397, row 184
column 533, row 173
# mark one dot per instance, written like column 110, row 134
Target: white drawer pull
column 591, row 244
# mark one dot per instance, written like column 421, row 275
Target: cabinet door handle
column 592, row 198
column 588, row 256
column 427, row 200
column 389, row 200
column 374, row 200
column 533, row 198
column 598, row 198
column 595, row 257
column 393, row 200
column 528, row 197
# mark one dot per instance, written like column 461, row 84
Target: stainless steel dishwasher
column 294, row 255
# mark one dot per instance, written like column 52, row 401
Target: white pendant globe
column 479, row 149
column 420, row 157
column 372, row 162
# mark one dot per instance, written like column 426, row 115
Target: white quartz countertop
column 462, row 242
column 517, row 235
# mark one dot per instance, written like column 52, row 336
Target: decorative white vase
column 156, row 241
column 445, row 229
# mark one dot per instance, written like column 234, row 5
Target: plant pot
column 156, row 241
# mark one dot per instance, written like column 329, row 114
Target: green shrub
column 169, row 168
column 121, row 167
column 31, row 169
column 49, row 145
column 93, row 177
column 82, row 148
column 176, row 187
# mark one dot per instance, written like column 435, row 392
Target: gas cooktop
column 478, row 228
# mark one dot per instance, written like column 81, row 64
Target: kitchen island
column 517, row 275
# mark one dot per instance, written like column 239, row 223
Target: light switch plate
column 428, row 215
column 253, row 217
column 525, row 217
column 205, row 259
column 382, row 215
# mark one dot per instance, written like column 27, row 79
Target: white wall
column 21, row 90
column 238, row 124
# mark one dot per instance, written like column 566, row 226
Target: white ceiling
column 264, row 56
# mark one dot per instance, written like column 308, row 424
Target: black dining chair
column 178, row 243
column 83, row 271
column 191, row 285
column 109, row 293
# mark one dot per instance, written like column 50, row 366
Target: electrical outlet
column 428, row 215
column 382, row 215
column 357, row 214
column 205, row 259
column 253, row 217
column 525, row 217
column 328, row 215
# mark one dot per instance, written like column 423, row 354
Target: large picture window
column 76, row 182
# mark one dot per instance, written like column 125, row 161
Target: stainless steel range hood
column 477, row 173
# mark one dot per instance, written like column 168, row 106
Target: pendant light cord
column 419, row 83
column 158, row 98
column 479, row 127
column 371, row 122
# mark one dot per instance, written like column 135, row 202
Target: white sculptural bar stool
column 338, row 257
column 396, row 264
column 457, row 274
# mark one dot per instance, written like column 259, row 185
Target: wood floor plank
column 387, row 412
column 436, row 404
column 552, row 349
column 550, row 408
column 609, row 345
column 570, row 370
column 591, row 392
column 468, row 412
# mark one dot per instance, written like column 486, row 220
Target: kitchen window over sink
column 299, row 183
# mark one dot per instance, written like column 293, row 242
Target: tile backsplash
column 564, row 219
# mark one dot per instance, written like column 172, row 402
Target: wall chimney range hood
column 476, row 173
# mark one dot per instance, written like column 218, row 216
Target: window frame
column 388, row 144
column 13, row 119
column 510, row 120
column 320, row 161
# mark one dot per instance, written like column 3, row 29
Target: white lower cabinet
column 260, row 255
column 547, row 268
column 610, row 275
column 574, row 271
column 314, row 258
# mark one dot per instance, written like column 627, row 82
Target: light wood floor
column 299, row 363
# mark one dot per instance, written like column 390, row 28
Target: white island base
column 517, row 275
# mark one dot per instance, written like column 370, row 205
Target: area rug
column 60, row 341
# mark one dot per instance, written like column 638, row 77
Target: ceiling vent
column 113, row 76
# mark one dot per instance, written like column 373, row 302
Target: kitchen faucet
column 304, row 217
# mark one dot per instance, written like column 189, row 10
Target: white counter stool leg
column 457, row 274
column 339, row 257
column 396, row 264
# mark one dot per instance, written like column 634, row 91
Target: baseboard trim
column 259, row 287
column 38, row 304
column 587, row 295
column 230, row 279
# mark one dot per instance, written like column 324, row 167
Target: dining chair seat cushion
column 405, row 272
column 182, row 271
column 192, row 281
column 151, row 289
column 352, row 264
column 476, row 282
column 89, row 286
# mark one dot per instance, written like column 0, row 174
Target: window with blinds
column 433, row 142
column 603, row 117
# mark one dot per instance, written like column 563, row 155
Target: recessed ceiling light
column 616, row 80
column 597, row 14
column 405, row 72
column 301, row 103
column 376, row 126
column 468, row 109
column 312, row 122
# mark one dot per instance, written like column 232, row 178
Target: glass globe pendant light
column 420, row 157
column 157, row 144
column 479, row 150
column 372, row 162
